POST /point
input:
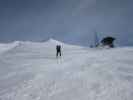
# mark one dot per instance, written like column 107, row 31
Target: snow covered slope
column 8, row 46
column 30, row 71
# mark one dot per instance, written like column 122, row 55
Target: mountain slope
column 31, row 71
column 8, row 46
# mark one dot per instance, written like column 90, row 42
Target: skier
column 58, row 50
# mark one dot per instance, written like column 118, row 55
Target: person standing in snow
column 58, row 50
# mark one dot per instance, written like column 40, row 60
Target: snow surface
column 30, row 71
column 9, row 46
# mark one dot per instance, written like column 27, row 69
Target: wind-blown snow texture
column 30, row 71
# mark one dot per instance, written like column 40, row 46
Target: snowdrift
column 5, row 47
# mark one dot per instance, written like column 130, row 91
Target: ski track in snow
column 31, row 72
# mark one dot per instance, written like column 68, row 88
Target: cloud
column 70, row 20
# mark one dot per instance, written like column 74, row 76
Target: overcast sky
column 72, row 21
